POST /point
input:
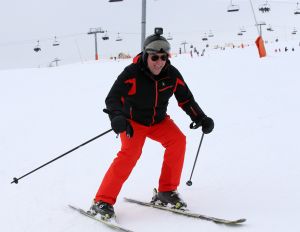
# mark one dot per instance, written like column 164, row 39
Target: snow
column 247, row 168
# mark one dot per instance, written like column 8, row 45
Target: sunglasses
column 163, row 57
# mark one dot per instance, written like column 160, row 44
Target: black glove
column 120, row 124
column 206, row 122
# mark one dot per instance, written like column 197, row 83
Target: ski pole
column 16, row 180
column 189, row 182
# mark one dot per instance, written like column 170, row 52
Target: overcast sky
column 22, row 23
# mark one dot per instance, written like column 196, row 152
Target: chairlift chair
column 243, row 30
column 105, row 37
column 297, row 11
column 169, row 37
column 37, row 47
column 294, row 32
column 118, row 37
column 269, row 28
column 210, row 34
column 233, row 8
column 264, row 8
column 240, row 33
column 204, row 38
column 55, row 43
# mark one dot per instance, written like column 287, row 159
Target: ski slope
column 247, row 168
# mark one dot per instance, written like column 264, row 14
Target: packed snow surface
column 248, row 167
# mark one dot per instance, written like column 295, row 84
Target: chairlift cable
column 282, row 2
column 254, row 17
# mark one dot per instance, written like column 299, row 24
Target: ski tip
column 241, row 220
column 231, row 223
column 71, row 206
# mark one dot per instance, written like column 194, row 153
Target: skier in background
column 137, row 105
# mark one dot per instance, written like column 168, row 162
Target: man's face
column 156, row 62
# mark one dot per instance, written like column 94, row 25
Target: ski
column 186, row 212
column 104, row 221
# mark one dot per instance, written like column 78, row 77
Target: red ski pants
column 171, row 138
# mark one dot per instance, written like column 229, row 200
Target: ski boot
column 170, row 197
column 106, row 210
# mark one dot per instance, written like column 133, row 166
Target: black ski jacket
column 143, row 97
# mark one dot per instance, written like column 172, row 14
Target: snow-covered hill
column 248, row 167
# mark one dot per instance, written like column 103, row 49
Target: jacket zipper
column 130, row 112
column 155, row 104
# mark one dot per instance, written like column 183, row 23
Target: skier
column 137, row 105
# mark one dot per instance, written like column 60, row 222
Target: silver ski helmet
column 156, row 42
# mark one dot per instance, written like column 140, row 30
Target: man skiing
column 137, row 105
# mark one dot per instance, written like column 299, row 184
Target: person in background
column 137, row 106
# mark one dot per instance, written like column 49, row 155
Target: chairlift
column 240, row 33
column 105, row 37
column 294, row 32
column 204, row 38
column 243, row 30
column 269, row 28
column 118, row 37
column 55, row 43
column 210, row 34
column 297, row 11
column 233, row 8
column 37, row 47
column 169, row 37
column 265, row 8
